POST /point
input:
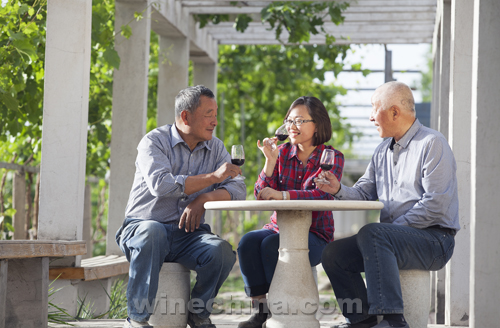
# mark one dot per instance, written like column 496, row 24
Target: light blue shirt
column 415, row 178
column 163, row 163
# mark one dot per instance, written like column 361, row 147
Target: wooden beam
column 93, row 268
column 12, row 249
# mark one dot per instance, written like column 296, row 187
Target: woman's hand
column 267, row 148
column 331, row 188
column 270, row 194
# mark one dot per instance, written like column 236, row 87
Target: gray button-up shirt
column 163, row 163
column 415, row 178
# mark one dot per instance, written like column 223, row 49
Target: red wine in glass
column 326, row 167
column 238, row 158
column 238, row 161
column 326, row 163
column 281, row 133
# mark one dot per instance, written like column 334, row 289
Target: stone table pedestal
column 293, row 296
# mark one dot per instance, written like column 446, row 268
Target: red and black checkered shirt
column 291, row 175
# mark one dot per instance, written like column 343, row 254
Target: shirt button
column 395, row 181
column 300, row 177
column 395, row 163
column 392, row 199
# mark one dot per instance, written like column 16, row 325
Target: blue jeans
column 147, row 244
column 258, row 255
column 381, row 250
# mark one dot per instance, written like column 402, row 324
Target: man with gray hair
column 179, row 167
column 413, row 172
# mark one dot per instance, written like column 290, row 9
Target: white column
column 130, row 89
column 444, row 66
column 206, row 74
column 435, row 81
column 458, row 269
column 65, row 119
column 173, row 65
column 485, row 205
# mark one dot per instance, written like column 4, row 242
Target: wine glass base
column 239, row 177
column 321, row 181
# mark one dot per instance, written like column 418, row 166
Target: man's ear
column 395, row 112
column 184, row 117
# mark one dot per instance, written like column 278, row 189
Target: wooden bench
column 24, row 283
column 90, row 282
column 99, row 267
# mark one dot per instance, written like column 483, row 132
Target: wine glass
column 238, row 158
column 326, row 163
column 281, row 133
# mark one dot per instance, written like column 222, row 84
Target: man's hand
column 269, row 194
column 331, row 188
column 191, row 217
column 227, row 170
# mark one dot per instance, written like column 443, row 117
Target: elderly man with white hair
column 413, row 172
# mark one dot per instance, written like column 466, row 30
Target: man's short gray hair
column 398, row 93
column 189, row 99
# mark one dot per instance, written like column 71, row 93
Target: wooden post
column 19, row 204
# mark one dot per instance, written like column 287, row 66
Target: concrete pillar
column 439, row 297
column 173, row 65
column 65, row 120
column 435, row 85
column 458, row 269
column 205, row 74
column 19, row 202
column 27, row 287
column 415, row 287
column 4, row 264
column 444, row 66
column 172, row 297
column 485, row 134
column 130, row 90
column 87, row 221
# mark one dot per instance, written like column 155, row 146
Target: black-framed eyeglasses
column 297, row 122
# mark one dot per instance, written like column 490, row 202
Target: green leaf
column 9, row 101
column 31, row 11
column 126, row 31
column 9, row 226
column 242, row 22
column 25, row 47
column 138, row 16
column 112, row 57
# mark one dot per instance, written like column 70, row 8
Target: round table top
column 294, row 205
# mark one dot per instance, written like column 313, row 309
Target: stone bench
column 24, row 283
column 415, row 285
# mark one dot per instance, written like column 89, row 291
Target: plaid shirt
column 290, row 175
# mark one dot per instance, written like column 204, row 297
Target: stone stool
column 172, row 297
column 415, row 285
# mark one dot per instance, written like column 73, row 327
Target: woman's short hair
column 189, row 99
column 320, row 116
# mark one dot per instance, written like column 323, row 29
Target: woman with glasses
column 288, row 174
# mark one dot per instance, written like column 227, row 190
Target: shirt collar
column 408, row 136
column 176, row 139
column 294, row 149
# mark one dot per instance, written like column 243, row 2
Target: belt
column 450, row 231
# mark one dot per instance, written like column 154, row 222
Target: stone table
column 293, row 295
